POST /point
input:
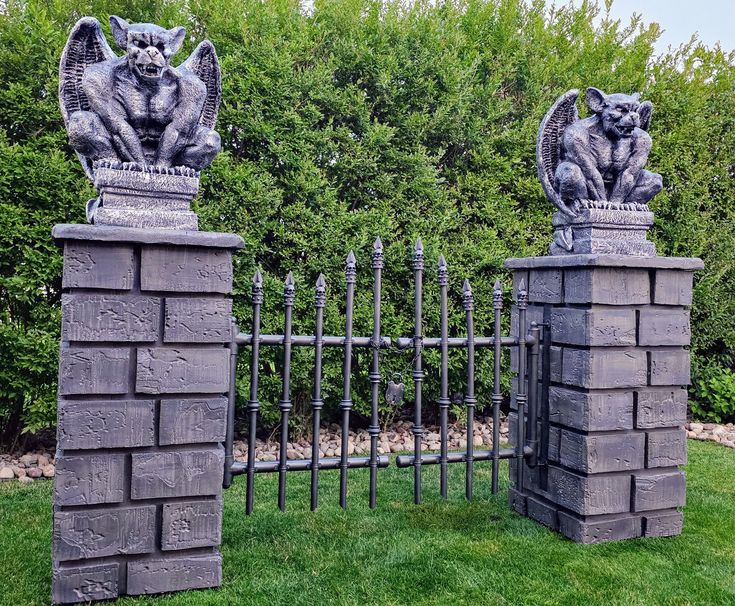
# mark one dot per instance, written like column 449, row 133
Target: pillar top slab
column 627, row 261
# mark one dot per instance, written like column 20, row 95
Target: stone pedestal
column 143, row 386
column 616, row 394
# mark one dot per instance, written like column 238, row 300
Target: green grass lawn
column 437, row 553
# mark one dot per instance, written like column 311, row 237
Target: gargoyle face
column 149, row 46
column 618, row 112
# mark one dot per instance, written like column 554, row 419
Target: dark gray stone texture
column 542, row 512
column 661, row 407
column 545, row 286
column 591, row 411
column 180, row 473
column 666, row 448
column 122, row 318
column 602, row 453
column 89, row 479
column 162, row 370
column 664, row 524
column 78, row 234
column 176, row 269
column 106, row 424
column 101, row 370
column 598, row 327
column 600, row 368
column 174, row 573
column 589, row 495
column 670, row 367
column 664, row 327
column 92, row 265
column 198, row 320
column 599, row 530
column 673, row 287
column 193, row 421
column 658, row 490
column 191, row 524
column 608, row 286
column 86, row 583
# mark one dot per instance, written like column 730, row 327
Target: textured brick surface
column 673, row 287
column 86, row 583
column 602, row 368
column 589, row 495
column 591, row 411
column 545, row 286
column 104, row 532
column 102, row 266
column 191, row 524
column 179, row 370
column 198, row 320
column 177, row 473
column 193, row 421
column 670, row 367
column 593, row 530
column 666, row 448
column 174, row 573
column 87, row 317
column 186, row 269
column 661, row 408
column 89, row 479
column 658, row 490
column 103, row 370
column 602, row 453
column 542, row 512
column 608, row 286
column 106, row 424
column 610, row 326
column 664, row 327
column 666, row 524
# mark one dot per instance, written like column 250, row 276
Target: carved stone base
column 603, row 231
column 132, row 195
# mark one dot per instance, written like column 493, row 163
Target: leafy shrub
column 714, row 394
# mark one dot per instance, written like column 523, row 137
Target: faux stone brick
column 592, row 530
column 190, row 370
column 601, row 453
column 102, row 266
column 89, row 479
column 666, row 448
column 177, row 473
column 186, row 269
column 593, row 326
column 607, row 286
column 174, row 574
column 554, row 443
column 604, row 368
column 545, row 286
column 667, row 524
column 591, row 411
column 109, row 318
column 589, row 495
column 534, row 313
column 198, row 321
column 516, row 499
column 94, row 371
column 664, row 327
column 542, row 512
column 661, row 408
column 670, row 367
column 85, row 583
column 672, row 287
column 194, row 524
column 106, row 424
column 193, row 421
column 104, row 532
column 658, row 490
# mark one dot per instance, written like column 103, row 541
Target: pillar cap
column 104, row 233
column 627, row 261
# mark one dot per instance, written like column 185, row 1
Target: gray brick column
column 617, row 394
column 143, row 385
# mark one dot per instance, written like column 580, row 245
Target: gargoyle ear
column 177, row 35
column 119, row 30
column 595, row 99
column 636, row 96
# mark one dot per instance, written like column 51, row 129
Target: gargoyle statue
column 139, row 110
column 596, row 162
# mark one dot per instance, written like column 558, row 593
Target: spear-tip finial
column 522, row 293
column 257, row 289
column 497, row 295
column 321, row 291
column 418, row 254
column 351, row 268
column 377, row 254
column 467, row 297
column 443, row 270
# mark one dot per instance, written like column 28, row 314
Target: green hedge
column 364, row 119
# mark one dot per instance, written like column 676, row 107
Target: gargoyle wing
column 548, row 143
column 86, row 46
column 645, row 111
column 204, row 64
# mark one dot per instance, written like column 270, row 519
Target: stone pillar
column 143, row 386
column 617, row 394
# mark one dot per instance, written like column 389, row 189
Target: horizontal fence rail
column 529, row 445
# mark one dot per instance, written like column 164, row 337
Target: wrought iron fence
column 526, row 396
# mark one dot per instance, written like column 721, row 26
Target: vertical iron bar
column 374, row 428
column 522, row 304
column 230, row 435
column 497, row 394
column 346, row 403
column 253, row 403
column 317, row 402
column 532, row 421
column 545, row 382
column 418, row 373
column 444, row 401
column 469, row 398
column 289, row 295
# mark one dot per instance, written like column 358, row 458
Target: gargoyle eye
column 140, row 44
column 161, row 46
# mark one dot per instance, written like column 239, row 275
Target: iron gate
column 529, row 421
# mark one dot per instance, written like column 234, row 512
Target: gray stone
column 667, row 524
column 144, row 219
column 666, row 448
column 664, row 327
column 101, row 370
column 604, row 368
column 86, row 317
column 658, row 490
column 545, row 286
column 175, row 573
column 597, row 260
column 661, row 408
column 185, row 269
column 599, row 530
column 186, row 370
column 198, row 320
column 607, row 286
column 98, row 533
column 85, row 583
column 193, row 421
column 554, row 444
column 89, row 479
column 599, row 326
column 543, row 513
column 591, row 411
column 589, row 495
column 516, row 500
column 602, row 453
column 106, row 424
column 672, row 287
column 191, row 524
column 90, row 265
column 670, row 367
column 177, row 473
